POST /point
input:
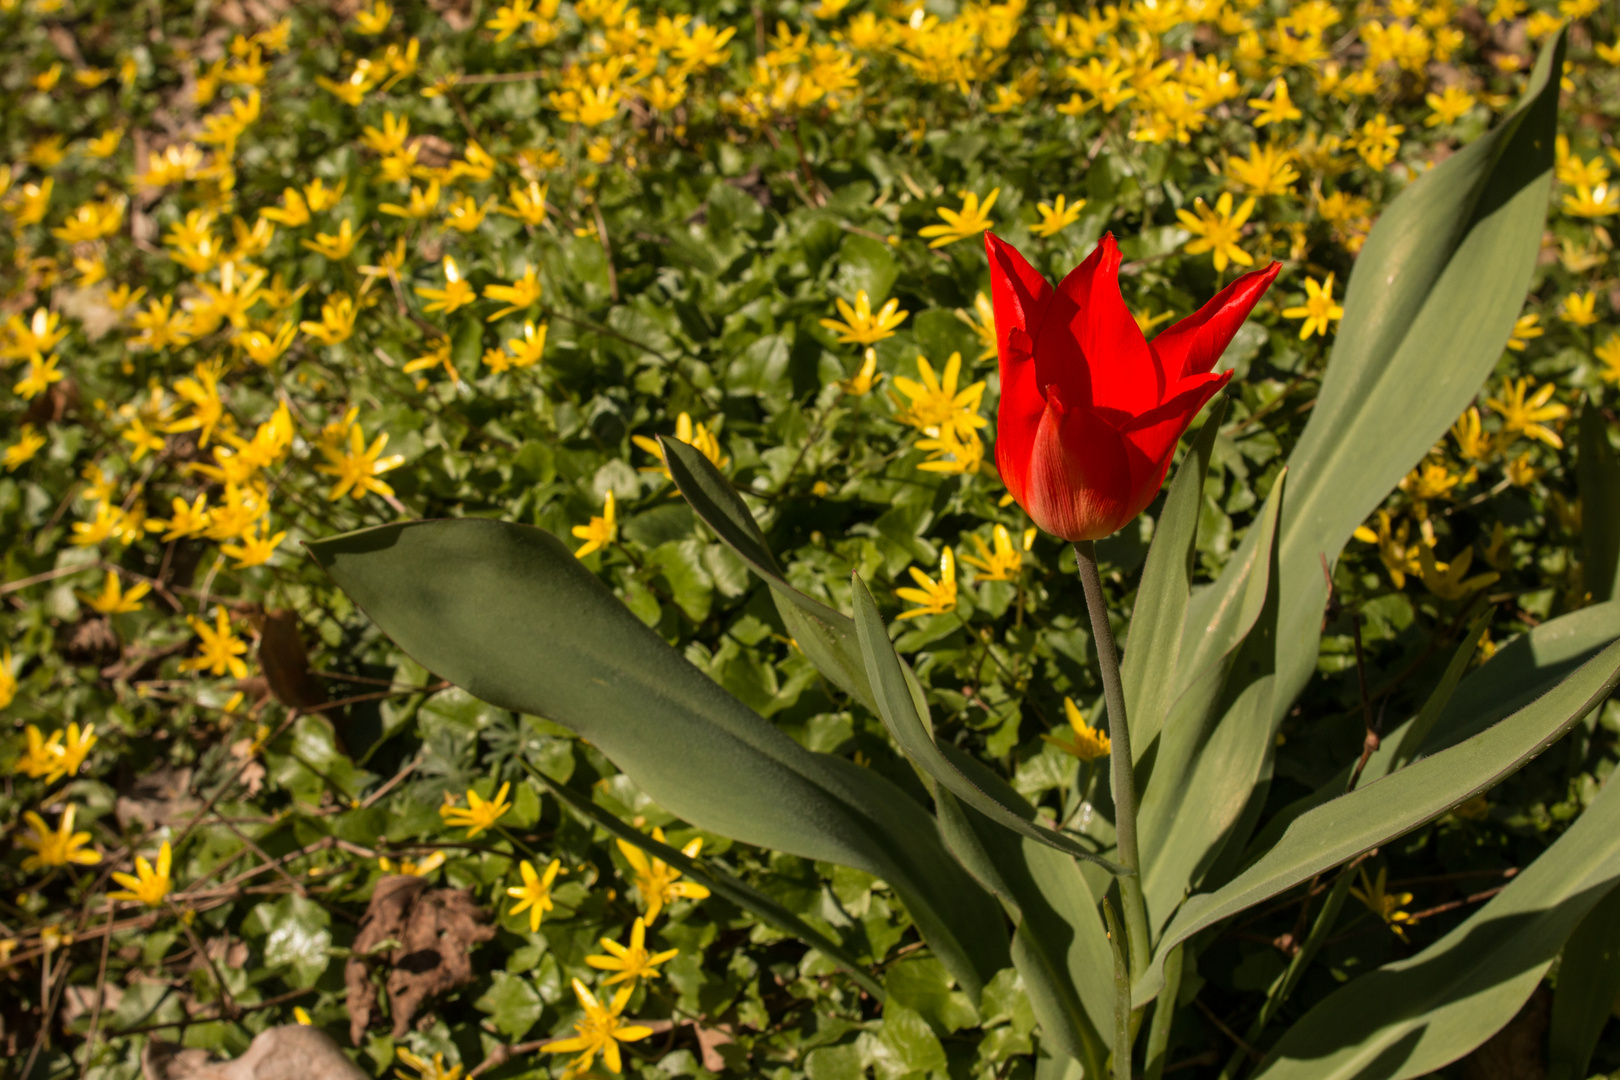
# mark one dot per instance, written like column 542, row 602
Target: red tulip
column 1090, row 410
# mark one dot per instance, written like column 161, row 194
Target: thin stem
column 1121, row 761
column 1164, row 1012
column 1122, row 990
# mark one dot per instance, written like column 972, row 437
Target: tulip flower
column 1091, row 411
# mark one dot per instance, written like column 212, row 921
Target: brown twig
column 268, row 1003
column 1237, row 1039
column 502, row 1054
column 101, row 990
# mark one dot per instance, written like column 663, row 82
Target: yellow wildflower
column 479, row 814
column 971, row 220
column 149, row 884
column 861, row 383
column 936, row 403
column 113, row 600
column 1056, row 216
column 656, row 882
column 334, row 245
column 600, row 1031
column 599, row 531
column 1002, row 564
column 1218, row 230
column 1579, row 309
column 1386, row 905
column 1318, row 309
column 861, row 326
column 1450, row 581
column 935, row 597
column 1086, row 742
column 457, row 292
column 59, row 847
column 358, row 468
column 534, row 895
column 631, row 962
column 522, row 293
column 1524, row 413
column 1524, row 329
column 29, row 443
column 694, row 435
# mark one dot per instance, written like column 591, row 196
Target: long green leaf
column 1154, row 647
column 1427, row 312
column 1416, row 1015
column 507, row 612
column 715, row 878
column 826, row 636
column 1218, row 734
column 1519, row 672
column 1060, row 946
column 1376, row 813
column 1588, row 984
column 1597, row 478
column 898, row 707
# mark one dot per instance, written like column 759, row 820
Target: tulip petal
column 1191, row 346
column 1079, row 482
column 1154, row 434
column 1020, row 295
column 1091, row 346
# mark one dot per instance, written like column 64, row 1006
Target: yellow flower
column 422, row 203
column 528, row 203
column 29, row 442
column 148, row 885
column 1472, row 441
column 42, row 372
column 656, row 882
column 1524, row 329
column 465, row 214
column 1279, row 109
column 1595, row 202
column 1525, row 415
column 301, row 1016
column 527, row 350
column 294, row 212
column 600, row 1031
column 1386, row 905
column 1521, row 471
column 1609, row 354
column 40, row 334
column 971, row 220
column 478, row 814
column 412, row 869
column 1318, row 309
column 936, row 403
column 1450, row 581
column 105, row 144
column 632, row 962
column 1580, row 308
column 59, row 847
column 1448, row 106
column 75, row 748
column 951, row 451
column 373, row 20
column 1398, row 559
column 264, row 347
column 113, row 599
column 1002, row 564
column 322, row 198
column 534, row 895
column 1086, row 743
column 357, row 468
column 521, row 294
column 698, row 436
column 860, row 325
column 860, row 384
column 1218, row 230
column 255, row 549
column 334, row 245
column 337, row 320
column 188, row 520
column 936, row 597
column 1266, row 171
column 456, row 293
column 42, row 760
column 600, row 531
column 1379, row 142
column 425, row 1069
column 8, row 678
column 221, row 649
column 982, row 321
column 1055, row 216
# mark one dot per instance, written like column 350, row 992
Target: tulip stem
column 1120, row 759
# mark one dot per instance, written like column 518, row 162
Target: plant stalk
column 1120, row 760
column 1122, row 992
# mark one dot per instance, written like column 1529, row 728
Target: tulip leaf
column 1376, row 813
column 1588, row 984
column 1519, row 672
column 1217, row 737
column 826, row 636
column 1060, row 946
column 715, row 878
column 506, row 612
column 1416, row 1015
column 1597, row 477
column 1427, row 311
column 898, row 706
column 1152, row 650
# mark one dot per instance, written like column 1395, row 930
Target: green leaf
column 898, row 705
column 715, row 878
column 1422, row 725
column 1060, row 947
column 1217, row 738
column 1413, row 1016
column 1588, row 984
column 512, row 1003
column 826, row 636
column 508, row 613
column 1427, row 312
column 1376, row 813
column 297, row 937
column 910, row 1044
column 1597, row 477
column 1160, row 612
column 923, row 984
